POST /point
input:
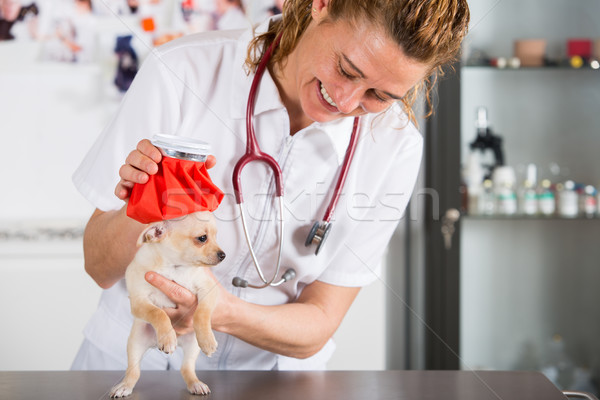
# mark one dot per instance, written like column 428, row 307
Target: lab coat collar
column 338, row 131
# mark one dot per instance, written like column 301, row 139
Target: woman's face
column 340, row 70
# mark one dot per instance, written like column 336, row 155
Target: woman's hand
column 140, row 164
column 182, row 315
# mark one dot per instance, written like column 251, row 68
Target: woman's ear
column 319, row 9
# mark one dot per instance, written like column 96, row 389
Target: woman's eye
column 344, row 73
column 202, row 238
column 377, row 97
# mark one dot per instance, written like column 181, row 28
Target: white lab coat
column 196, row 86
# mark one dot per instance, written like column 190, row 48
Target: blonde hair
column 428, row 31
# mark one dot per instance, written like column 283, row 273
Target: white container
column 568, row 201
column 528, row 199
column 487, row 201
column 588, row 202
column 504, row 187
column 473, row 174
column 546, row 199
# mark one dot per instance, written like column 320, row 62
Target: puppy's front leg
column 202, row 326
column 166, row 337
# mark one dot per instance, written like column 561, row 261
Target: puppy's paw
column 167, row 342
column 199, row 387
column 208, row 345
column 121, row 390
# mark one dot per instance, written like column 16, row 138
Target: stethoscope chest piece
column 318, row 234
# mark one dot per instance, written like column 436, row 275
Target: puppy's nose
column 221, row 255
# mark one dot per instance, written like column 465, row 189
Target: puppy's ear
column 153, row 233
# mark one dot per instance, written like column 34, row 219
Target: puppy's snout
column 221, row 255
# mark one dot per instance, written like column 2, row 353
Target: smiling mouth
column 326, row 96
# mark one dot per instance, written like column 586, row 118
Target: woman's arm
column 298, row 329
column 109, row 244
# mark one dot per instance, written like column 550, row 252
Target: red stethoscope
column 320, row 230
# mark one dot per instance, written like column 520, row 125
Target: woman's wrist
column 223, row 315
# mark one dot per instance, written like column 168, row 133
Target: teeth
column 326, row 96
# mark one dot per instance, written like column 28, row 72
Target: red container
column 579, row 47
column 181, row 186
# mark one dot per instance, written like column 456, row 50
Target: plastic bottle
column 546, row 199
column 473, row 174
column 588, row 202
column 528, row 202
column 568, row 202
column 528, row 199
column 487, row 201
column 504, row 188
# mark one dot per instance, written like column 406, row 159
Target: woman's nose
column 349, row 98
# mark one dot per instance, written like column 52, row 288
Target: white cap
column 181, row 147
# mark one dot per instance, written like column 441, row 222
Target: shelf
column 525, row 218
column 543, row 68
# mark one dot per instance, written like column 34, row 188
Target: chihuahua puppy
column 179, row 249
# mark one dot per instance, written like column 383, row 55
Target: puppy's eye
column 202, row 238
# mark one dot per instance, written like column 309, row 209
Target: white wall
column 49, row 116
column 360, row 339
column 46, row 300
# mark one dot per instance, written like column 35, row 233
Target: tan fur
column 173, row 249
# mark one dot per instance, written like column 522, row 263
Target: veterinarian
column 337, row 59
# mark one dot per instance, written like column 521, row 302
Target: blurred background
column 64, row 68
column 495, row 264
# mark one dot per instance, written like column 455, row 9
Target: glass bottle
column 546, row 199
column 568, row 204
column 528, row 199
column 588, row 202
column 487, row 201
column 504, row 187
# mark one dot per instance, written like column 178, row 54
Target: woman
column 337, row 59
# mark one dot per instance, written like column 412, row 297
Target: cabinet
column 507, row 286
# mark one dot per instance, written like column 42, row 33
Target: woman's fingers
column 141, row 162
column 123, row 189
column 210, row 161
column 131, row 174
column 149, row 150
column 175, row 292
column 139, row 165
column 185, row 302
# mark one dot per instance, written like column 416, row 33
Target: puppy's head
column 190, row 240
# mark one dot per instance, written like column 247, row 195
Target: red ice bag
column 181, row 186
